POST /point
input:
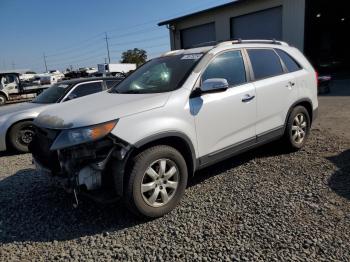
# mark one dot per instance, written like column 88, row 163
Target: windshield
column 52, row 94
column 159, row 75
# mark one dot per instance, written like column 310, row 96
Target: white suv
column 178, row 113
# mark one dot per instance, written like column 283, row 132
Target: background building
column 317, row 27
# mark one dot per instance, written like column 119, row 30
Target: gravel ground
column 264, row 205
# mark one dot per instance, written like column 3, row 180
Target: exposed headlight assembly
column 77, row 136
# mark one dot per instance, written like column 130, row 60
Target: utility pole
column 106, row 38
column 13, row 65
column 44, row 56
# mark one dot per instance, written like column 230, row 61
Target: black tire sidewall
column 141, row 163
column 5, row 99
column 13, row 135
column 297, row 110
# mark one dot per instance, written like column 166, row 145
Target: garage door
column 193, row 36
column 265, row 24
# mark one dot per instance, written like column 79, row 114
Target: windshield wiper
column 132, row 92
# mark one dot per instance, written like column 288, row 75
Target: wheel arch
column 179, row 141
column 4, row 94
column 305, row 102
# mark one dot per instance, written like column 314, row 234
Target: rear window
column 265, row 63
column 289, row 62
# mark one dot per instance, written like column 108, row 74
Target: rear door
column 275, row 90
column 225, row 119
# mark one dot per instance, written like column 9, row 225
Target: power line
column 92, row 40
column 95, row 37
column 76, row 56
column 143, row 31
column 75, row 48
column 77, row 44
column 139, row 41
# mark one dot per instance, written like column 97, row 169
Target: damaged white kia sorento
column 187, row 109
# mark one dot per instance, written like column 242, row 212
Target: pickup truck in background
column 12, row 88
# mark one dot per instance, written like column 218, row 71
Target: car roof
column 87, row 79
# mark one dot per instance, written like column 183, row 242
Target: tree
column 134, row 56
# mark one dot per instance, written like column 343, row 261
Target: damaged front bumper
column 91, row 167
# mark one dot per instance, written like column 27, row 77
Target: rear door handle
column 247, row 98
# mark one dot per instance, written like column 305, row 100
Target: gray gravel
column 265, row 205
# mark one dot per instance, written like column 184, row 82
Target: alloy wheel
column 299, row 128
column 160, row 182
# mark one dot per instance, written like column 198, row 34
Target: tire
column 3, row 100
column 156, row 185
column 20, row 135
column 298, row 128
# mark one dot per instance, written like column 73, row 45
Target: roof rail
column 259, row 41
column 204, row 44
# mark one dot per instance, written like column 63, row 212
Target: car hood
column 98, row 108
column 18, row 108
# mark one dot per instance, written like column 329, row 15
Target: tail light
column 317, row 78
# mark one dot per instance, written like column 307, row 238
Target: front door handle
column 247, row 98
column 290, row 84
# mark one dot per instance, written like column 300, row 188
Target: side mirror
column 214, row 85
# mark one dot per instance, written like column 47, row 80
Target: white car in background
column 16, row 121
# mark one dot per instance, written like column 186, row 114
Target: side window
column 229, row 65
column 86, row 89
column 111, row 83
column 10, row 79
column 265, row 63
column 290, row 62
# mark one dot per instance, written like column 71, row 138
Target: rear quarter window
column 289, row 61
column 265, row 63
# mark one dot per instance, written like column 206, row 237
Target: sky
column 71, row 32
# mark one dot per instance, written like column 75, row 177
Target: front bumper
column 85, row 167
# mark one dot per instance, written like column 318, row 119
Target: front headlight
column 72, row 137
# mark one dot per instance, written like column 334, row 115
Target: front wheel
column 157, row 181
column 20, row 135
column 298, row 128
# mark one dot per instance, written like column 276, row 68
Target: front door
column 225, row 119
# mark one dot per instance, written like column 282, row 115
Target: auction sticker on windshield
column 192, row 56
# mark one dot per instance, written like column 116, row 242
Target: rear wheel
column 298, row 128
column 20, row 135
column 2, row 99
column 157, row 181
